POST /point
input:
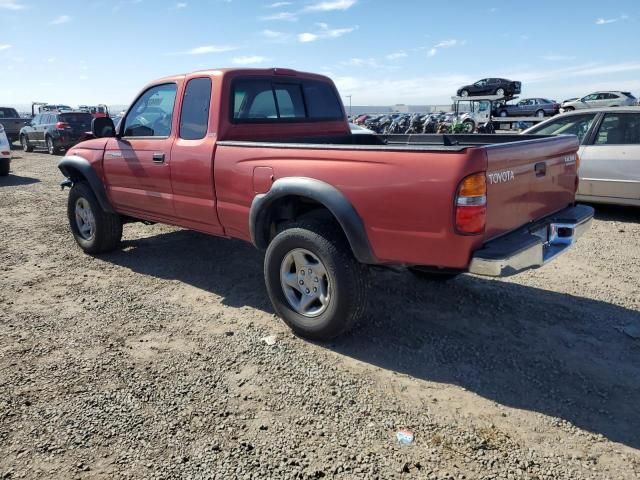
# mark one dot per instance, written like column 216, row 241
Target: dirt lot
column 149, row 363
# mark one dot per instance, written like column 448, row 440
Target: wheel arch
column 293, row 196
column 77, row 169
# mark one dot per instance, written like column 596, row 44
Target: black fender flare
column 318, row 191
column 74, row 162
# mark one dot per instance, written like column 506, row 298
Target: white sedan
column 609, row 152
column 5, row 153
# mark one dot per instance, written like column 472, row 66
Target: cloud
column 396, row 55
column 14, row 5
column 557, row 58
column 203, row 50
column 275, row 36
column 284, row 16
column 181, row 5
column 278, row 5
column 249, row 60
column 60, row 20
column 331, row 5
column 324, row 32
column 606, row 21
column 4, row 46
column 445, row 44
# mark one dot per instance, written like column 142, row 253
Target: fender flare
column 81, row 165
column 321, row 192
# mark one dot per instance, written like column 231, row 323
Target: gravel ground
column 149, row 362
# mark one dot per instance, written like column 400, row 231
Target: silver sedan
column 609, row 152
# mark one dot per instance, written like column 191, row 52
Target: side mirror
column 102, row 127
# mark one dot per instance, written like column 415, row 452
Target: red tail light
column 62, row 125
column 471, row 204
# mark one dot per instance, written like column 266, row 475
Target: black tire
column 569, row 109
column 469, row 126
column 51, row 146
column 464, row 93
column 347, row 279
column 108, row 226
column 5, row 165
column 540, row 114
column 498, row 90
column 26, row 146
column 504, row 113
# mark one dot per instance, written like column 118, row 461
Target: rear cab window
column 272, row 100
column 76, row 119
column 8, row 113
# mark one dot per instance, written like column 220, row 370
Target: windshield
column 571, row 125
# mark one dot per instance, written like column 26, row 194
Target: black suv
column 55, row 131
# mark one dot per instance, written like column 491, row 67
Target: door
column 610, row 166
column 30, row 130
column 38, row 129
column 192, row 159
column 137, row 166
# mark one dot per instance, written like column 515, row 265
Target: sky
column 379, row 52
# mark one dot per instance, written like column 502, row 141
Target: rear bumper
column 534, row 245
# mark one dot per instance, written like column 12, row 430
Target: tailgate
column 528, row 180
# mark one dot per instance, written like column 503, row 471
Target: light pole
column 349, row 97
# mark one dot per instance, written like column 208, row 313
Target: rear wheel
column 94, row 230
column 51, row 146
column 26, row 146
column 5, row 164
column 540, row 114
column 469, row 126
column 504, row 113
column 314, row 282
column 500, row 91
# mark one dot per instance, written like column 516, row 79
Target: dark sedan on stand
column 491, row 86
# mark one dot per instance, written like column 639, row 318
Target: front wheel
column 24, row 141
column 94, row 230
column 469, row 126
column 504, row 113
column 314, row 282
column 569, row 109
column 464, row 93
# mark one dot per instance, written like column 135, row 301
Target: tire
column 504, row 114
column 569, row 109
column 51, row 146
column 431, row 275
column 540, row 114
column 500, row 91
column 464, row 93
column 105, row 229
column 338, row 274
column 5, row 165
column 26, row 146
column 469, row 126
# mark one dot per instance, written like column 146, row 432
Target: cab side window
column 152, row 113
column 619, row 129
column 194, row 118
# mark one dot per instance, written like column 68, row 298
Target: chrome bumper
column 532, row 246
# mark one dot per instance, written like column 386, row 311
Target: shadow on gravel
column 617, row 213
column 15, row 180
column 560, row 355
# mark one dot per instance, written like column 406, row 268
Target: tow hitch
column 66, row 183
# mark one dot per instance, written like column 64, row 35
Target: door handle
column 158, row 157
column 541, row 169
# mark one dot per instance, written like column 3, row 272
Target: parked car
column 55, row 131
column 491, row 86
column 324, row 204
column 609, row 152
column 600, row 99
column 12, row 122
column 5, row 153
column 527, row 107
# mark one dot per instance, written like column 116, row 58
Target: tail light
column 62, row 125
column 471, row 204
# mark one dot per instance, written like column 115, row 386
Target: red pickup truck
column 266, row 155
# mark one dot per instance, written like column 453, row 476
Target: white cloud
column 275, row 36
column 557, row 58
column 284, row 16
column 396, row 55
column 249, row 60
column 12, row 5
column 445, row 44
column 278, row 5
column 209, row 49
column 4, row 46
column 60, row 20
column 331, row 5
column 181, row 5
column 606, row 21
column 324, row 32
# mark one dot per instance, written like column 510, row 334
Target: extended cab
column 266, row 156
